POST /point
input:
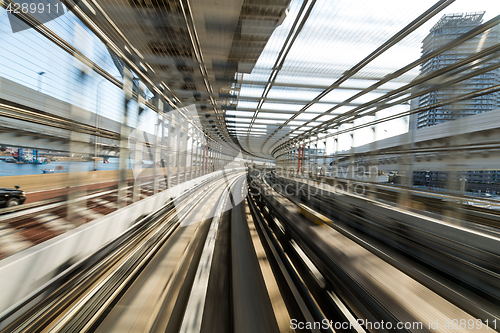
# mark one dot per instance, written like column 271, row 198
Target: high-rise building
column 447, row 29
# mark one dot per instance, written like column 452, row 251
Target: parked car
column 10, row 197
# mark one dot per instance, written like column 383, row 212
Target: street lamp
column 40, row 74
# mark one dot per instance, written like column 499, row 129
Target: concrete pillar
column 315, row 165
column 308, row 162
column 324, row 168
column 139, row 144
column 199, row 159
column 184, row 148
column 211, row 154
column 217, row 157
column 352, row 165
column 296, row 158
column 205, row 158
column 164, row 150
column 138, row 149
column 404, row 197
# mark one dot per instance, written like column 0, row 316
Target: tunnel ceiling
column 267, row 74
column 192, row 49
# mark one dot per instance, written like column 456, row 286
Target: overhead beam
column 291, row 101
column 316, row 86
column 263, row 118
column 281, row 111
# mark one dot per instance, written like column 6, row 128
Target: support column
column 296, row 158
column 216, row 157
column 156, row 156
column 288, row 156
column 372, row 169
column 205, row 159
column 124, row 133
column 139, row 144
column 184, row 149
column 199, row 160
column 193, row 156
column 336, row 162
column 352, row 172
column 404, row 198
column 315, row 165
column 308, row 162
column 211, row 154
column 164, row 150
column 170, row 152
column 324, row 168
column 178, row 133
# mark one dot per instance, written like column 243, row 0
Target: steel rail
column 466, row 96
column 464, row 37
column 52, row 36
column 468, row 269
column 103, row 296
column 412, row 26
column 360, row 302
column 278, row 64
column 193, row 314
column 112, row 253
column 298, row 289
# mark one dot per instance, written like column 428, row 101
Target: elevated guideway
column 223, row 210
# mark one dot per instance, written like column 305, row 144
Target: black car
column 10, row 197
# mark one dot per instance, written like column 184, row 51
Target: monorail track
column 168, row 274
column 434, row 204
column 464, row 275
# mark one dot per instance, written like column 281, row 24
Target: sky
column 336, row 36
column 27, row 53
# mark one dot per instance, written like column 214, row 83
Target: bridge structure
column 267, row 166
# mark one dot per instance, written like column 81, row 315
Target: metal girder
column 300, row 20
column 316, row 86
column 291, row 101
column 277, row 111
column 260, row 118
column 412, row 26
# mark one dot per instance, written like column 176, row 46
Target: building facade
column 448, row 28
column 487, row 181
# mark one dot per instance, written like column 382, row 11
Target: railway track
column 435, row 204
column 208, row 264
column 80, row 298
column 220, row 260
column 462, row 274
